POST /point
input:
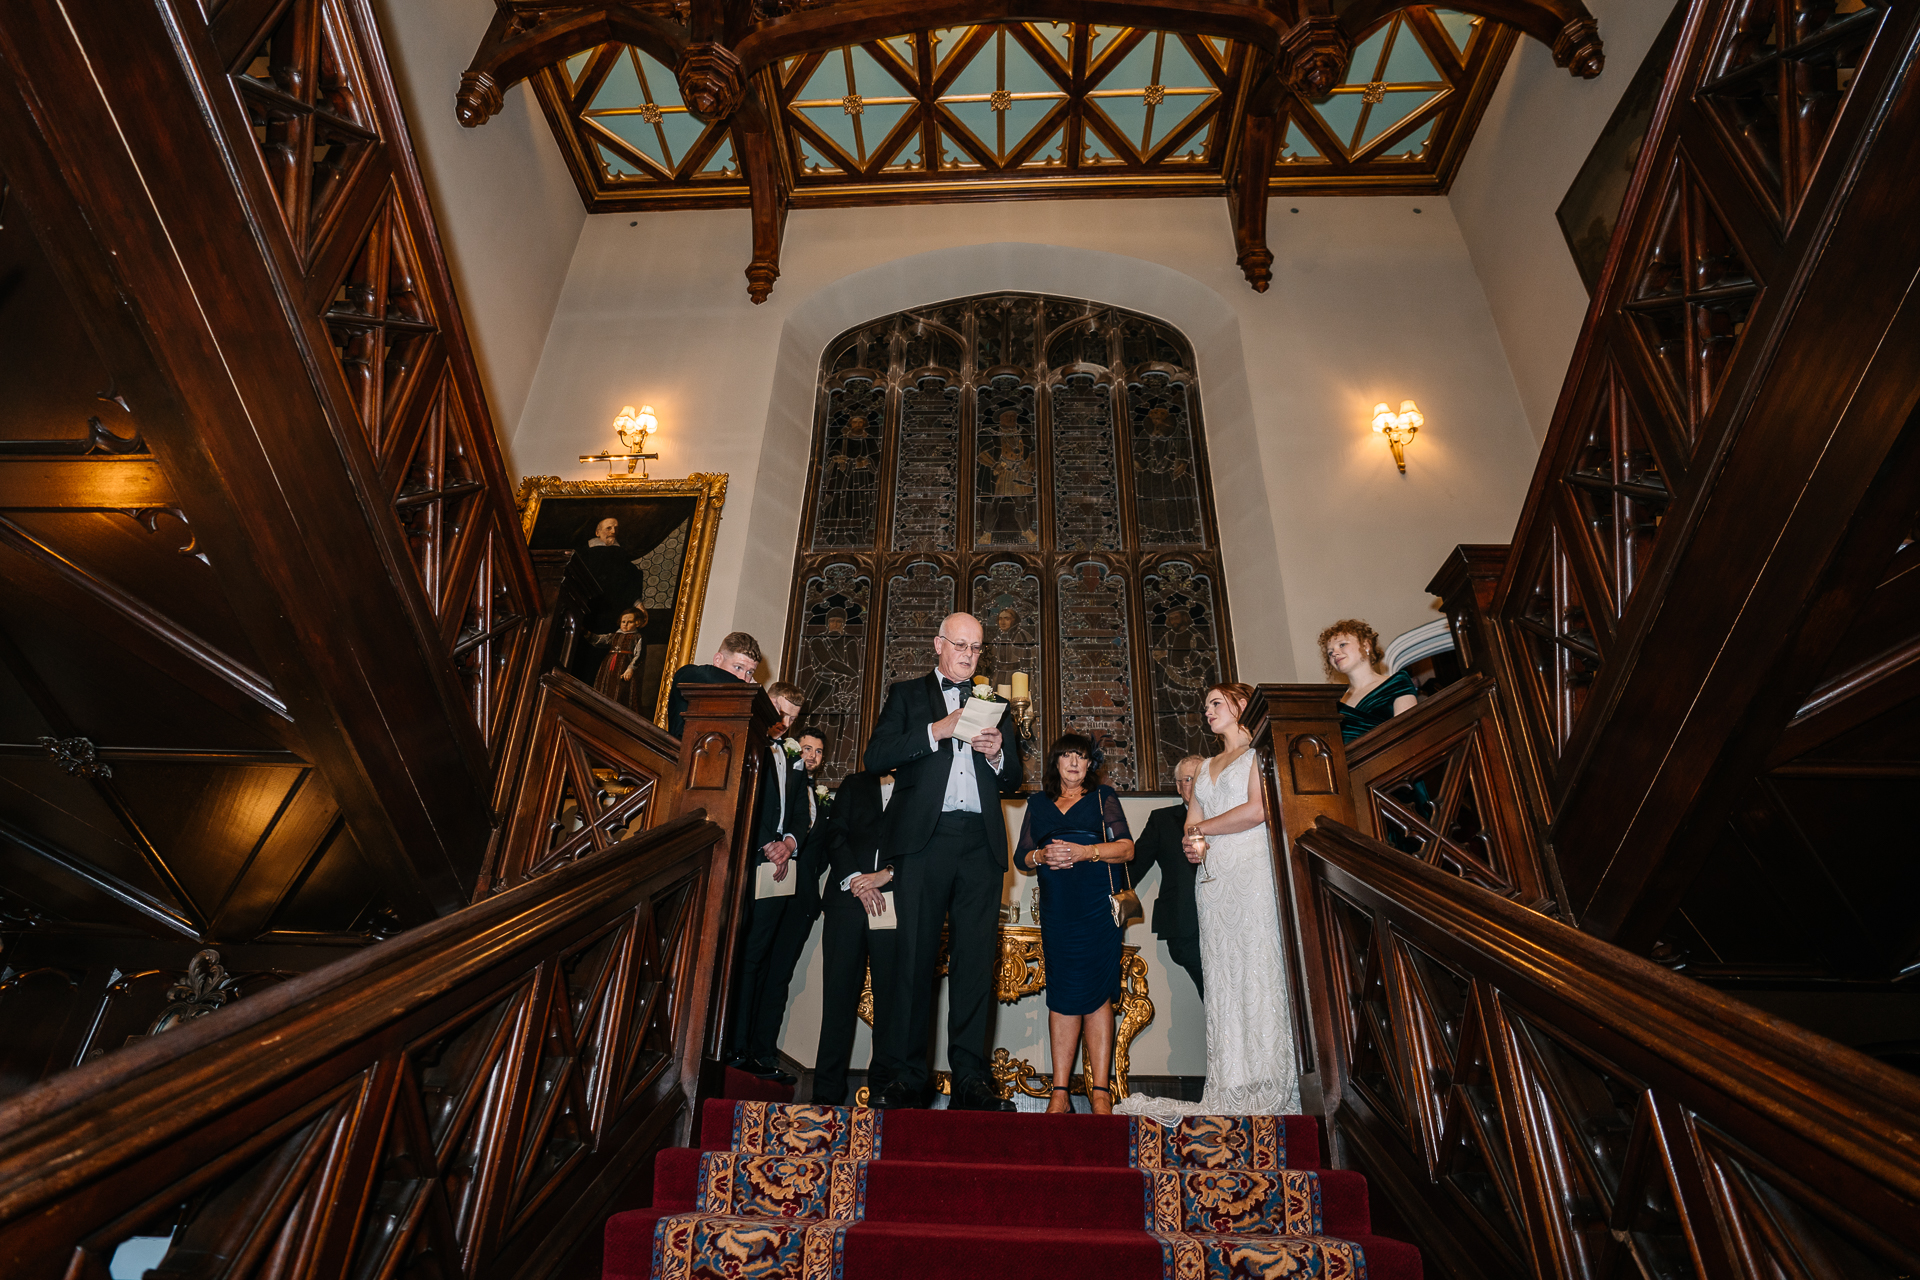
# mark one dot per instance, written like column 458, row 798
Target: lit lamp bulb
column 634, row 430
column 1399, row 428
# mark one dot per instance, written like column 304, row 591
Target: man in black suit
column 737, row 658
column 809, row 863
column 781, row 822
column 946, row 839
column 856, row 880
column 1175, row 921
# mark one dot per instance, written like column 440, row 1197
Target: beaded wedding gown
column 1251, row 1067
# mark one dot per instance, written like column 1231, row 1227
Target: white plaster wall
column 1371, row 301
column 1539, row 127
column 508, row 212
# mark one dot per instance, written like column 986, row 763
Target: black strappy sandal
column 1061, row 1088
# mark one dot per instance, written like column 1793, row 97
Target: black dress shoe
column 977, row 1095
column 769, row 1071
column 895, row 1097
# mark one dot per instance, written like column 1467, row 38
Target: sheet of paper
column 888, row 919
column 765, row 886
column 976, row 716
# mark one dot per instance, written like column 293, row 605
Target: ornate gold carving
column 1374, row 94
column 1023, row 972
column 651, row 113
column 999, row 99
column 1155, row 94
column 853, row 104
column 709, row 489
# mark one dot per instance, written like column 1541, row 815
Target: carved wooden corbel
column 1578, row 49
column 1247, row 198
column 769, row 200
column 523, row 41
column 1314, row 56
column 712, row 83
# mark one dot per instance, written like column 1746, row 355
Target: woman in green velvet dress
column 1351, row 648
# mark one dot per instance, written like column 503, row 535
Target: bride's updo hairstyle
column 1071, row 744
column 1238, row 694
column 1369, row 640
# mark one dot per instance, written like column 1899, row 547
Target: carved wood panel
column 1041, row 462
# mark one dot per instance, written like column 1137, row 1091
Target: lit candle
column 1005, row 691
column 1021, row 690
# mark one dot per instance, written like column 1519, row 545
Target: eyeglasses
column 965, row 648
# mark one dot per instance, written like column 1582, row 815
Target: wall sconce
column 634, row 430
column 1399, row 428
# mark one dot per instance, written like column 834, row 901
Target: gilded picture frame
column 553, row 512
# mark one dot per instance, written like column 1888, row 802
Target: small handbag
column 1124, row 902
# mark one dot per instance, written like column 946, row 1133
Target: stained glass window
column 1040, row 462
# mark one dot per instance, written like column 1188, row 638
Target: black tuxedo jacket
column 789, row 775
column 1174, row 915
column 692, row 673
column 899, row 746
column 853, row 827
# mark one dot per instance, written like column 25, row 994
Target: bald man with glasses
column 946, row 841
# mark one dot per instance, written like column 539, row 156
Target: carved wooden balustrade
column 1535, row 1102
column 464, row 1098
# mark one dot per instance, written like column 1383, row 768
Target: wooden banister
column 474, row 1089
column 1537, row 1102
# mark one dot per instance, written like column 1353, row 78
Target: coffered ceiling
column 1029, row 110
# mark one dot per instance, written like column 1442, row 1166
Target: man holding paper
column 953, row 756
column 783, row 819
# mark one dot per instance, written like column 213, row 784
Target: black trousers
column 955, row 880
column 789, row 940
column 847, row 948
column 1186, row 953
column 751, row 1039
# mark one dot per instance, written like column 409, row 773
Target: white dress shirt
column 963, row 791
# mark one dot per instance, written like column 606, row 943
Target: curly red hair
column 1359, row 630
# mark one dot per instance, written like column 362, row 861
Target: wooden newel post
column 1465, row 586
column 1296, row 729
column 722, row 749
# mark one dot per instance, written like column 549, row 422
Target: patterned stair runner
column 833, row 1193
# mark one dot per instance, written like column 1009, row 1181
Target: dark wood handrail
column 109, row 1149
column 1728, row 1098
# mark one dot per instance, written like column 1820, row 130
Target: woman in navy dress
column 1351, row 648
column 1073, row 834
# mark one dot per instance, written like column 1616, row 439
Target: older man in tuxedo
column 946, row 840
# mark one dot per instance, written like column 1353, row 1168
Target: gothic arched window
column 1039, row 463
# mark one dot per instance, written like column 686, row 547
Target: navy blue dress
column 1078, row 937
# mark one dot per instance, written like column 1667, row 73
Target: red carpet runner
column 832, row 1193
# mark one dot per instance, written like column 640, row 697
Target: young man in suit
column 781, row 822
column 737, row 658
column 809, row 864
column 856, row 878
column 946, row 839
column 1174, row 919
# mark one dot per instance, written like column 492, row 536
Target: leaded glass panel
column 1086, row 485
column 1183, row 648
column 848, row 512
column 1096, row 667
column 835, row 609
column 926, row 495
column 1006, row 504
column 918, row 601
column 1039, row 462
column 1166, row 481
column 1006, row 599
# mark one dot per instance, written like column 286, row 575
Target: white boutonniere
column 791, row 746
column 822, row 796
column 985, row 693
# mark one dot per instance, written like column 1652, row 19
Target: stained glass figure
column 1006, row 486
column 1037, row 461
column 926, row 494
column 1006, row 599
column 1096, row 667
column 1166, row 480
column 1086, row 487
column 1183, row 648
column 832, row 657
column 849, row 498
column 917, row 602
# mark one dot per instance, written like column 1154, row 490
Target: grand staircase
column 801, row 1192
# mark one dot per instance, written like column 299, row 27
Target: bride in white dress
column 1251, row 1065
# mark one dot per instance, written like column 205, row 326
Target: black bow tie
column 946, row 684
